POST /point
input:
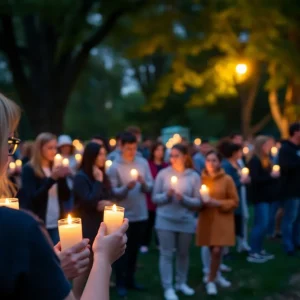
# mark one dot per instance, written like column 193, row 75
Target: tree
column 47, row 45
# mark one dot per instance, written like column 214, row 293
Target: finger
column 79, row 246
column 84, row 254
column 83, row 263
column 58, row 246
column 124, row 240
column 102, row 229
column 124, row 227
column 83, row 270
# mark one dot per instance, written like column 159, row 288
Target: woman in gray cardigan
column 176, row 193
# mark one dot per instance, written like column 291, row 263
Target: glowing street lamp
column 241, row 69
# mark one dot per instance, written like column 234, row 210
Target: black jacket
column 33, row 195
column 289, row 161
column 263, row 188
column 87, row 194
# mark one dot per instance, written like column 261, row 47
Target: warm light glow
column 58, row 157
column 174, row 180
column 76, row 142
column 169, row 145
column 78, row 157
column 245, row 171
column 276, row 168
column 114, row 208
column 241, row 69
column 204, row 188
column 7, row 201
column 112, row 142
column 274, row 151
column 19, row 163
column 134, row 173
column 78, row 145
column 65, row 162
column 69, row 219
column 246, row 150
column 108, row 163
column 12, row 165
column 197, row 141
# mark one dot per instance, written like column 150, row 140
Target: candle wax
column 70, row 234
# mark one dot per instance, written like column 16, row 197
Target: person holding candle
column 92, row 192
column 175, row 221
column 156, row 164
column 289, row 162
column 264, row 191
column 66, row 148
column 218, row 215
column 44, row 187
column 28, row 245
column 130, row 189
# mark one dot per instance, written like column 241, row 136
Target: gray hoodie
column 134, row 201
column 172, row 214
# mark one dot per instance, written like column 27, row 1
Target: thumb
column 102, row 230
column 80, row 246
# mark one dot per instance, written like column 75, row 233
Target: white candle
column 204, row 192
column 70, row 232
column 174, row 181
column 274, row 151
column 108, row 164
column 78, row 158
column 245, row 172
column 12, row 166
column 134, row 174
column 19, row 163
column 276, row 169
column 10, row 202
column 57, row 160
column 113, row 217
column 65, row 162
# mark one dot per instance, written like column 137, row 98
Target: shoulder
column 194, row 174
column 141, row 161
column 228, row 180
column 164, row 172
column 28, row 168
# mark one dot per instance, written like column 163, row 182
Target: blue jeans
column 260, row 226
column 273, row 211
column 54, row 235
column 291, row 224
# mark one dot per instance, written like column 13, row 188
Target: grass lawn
column 250, row 281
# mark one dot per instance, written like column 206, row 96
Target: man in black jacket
column 289, row 161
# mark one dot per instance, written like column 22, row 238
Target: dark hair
column 217, row 154
column 234, row 134
column 227, row 148
column 89, row 157
column 128, row 138
column 294, row 128
column 118, row 136
column 153, row 149
column 185, row 151
column 204, row 141
column 134, row 130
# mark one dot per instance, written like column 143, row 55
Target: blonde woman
column 44, row 186
column 35, row 272
column 265, row 190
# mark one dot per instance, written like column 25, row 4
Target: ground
column 274, row 280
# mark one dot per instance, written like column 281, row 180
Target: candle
column 134, row 174
column 78, row 158
column 197, row 141
column 70, row 232
column 245, row 172
column 274, row 151
column 174, row 181
column 58, row 160
column 108, row 164
column 246, row 150
column 65, row 162
column 112, row 142
column 113, row 217
column 204, row 192
column 12, row 166
column 276, row 169
column 19, row 163
column 10, row 202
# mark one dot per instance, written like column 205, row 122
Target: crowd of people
column 169, row 195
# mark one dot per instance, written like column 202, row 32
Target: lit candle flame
column 204, row 188
column 12, row 165
column 134, row 173
column 112, row 142
column 276, row 168
column 78, row 157
column 245, row 171
column 274, row 151
column 18, row 163
column 246, row 150
column 69, row 219
column 65, row 162
column 174, row 180
column 108, row 163
column 197, row 141
column 114, row 208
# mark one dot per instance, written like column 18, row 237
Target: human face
column 66, row 150
column 238, row 140
column 205, row 148
column 129, row 151
column 177, row 159
column 212, row 163
column 297, row 137
column 159, row 153
column 101, row 158
column 266, row 147
column 49, row 150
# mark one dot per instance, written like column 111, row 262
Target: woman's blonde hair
column 36, row 159
column 10, row 114
column 258, row 151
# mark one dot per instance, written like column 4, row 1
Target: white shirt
column 53, row 210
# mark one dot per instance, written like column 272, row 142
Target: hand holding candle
column 134, row 174
column 113, row 218
column 10, row 202
column 65, row 162
column 58, row 160
column 204, row 192
column 70, row 232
